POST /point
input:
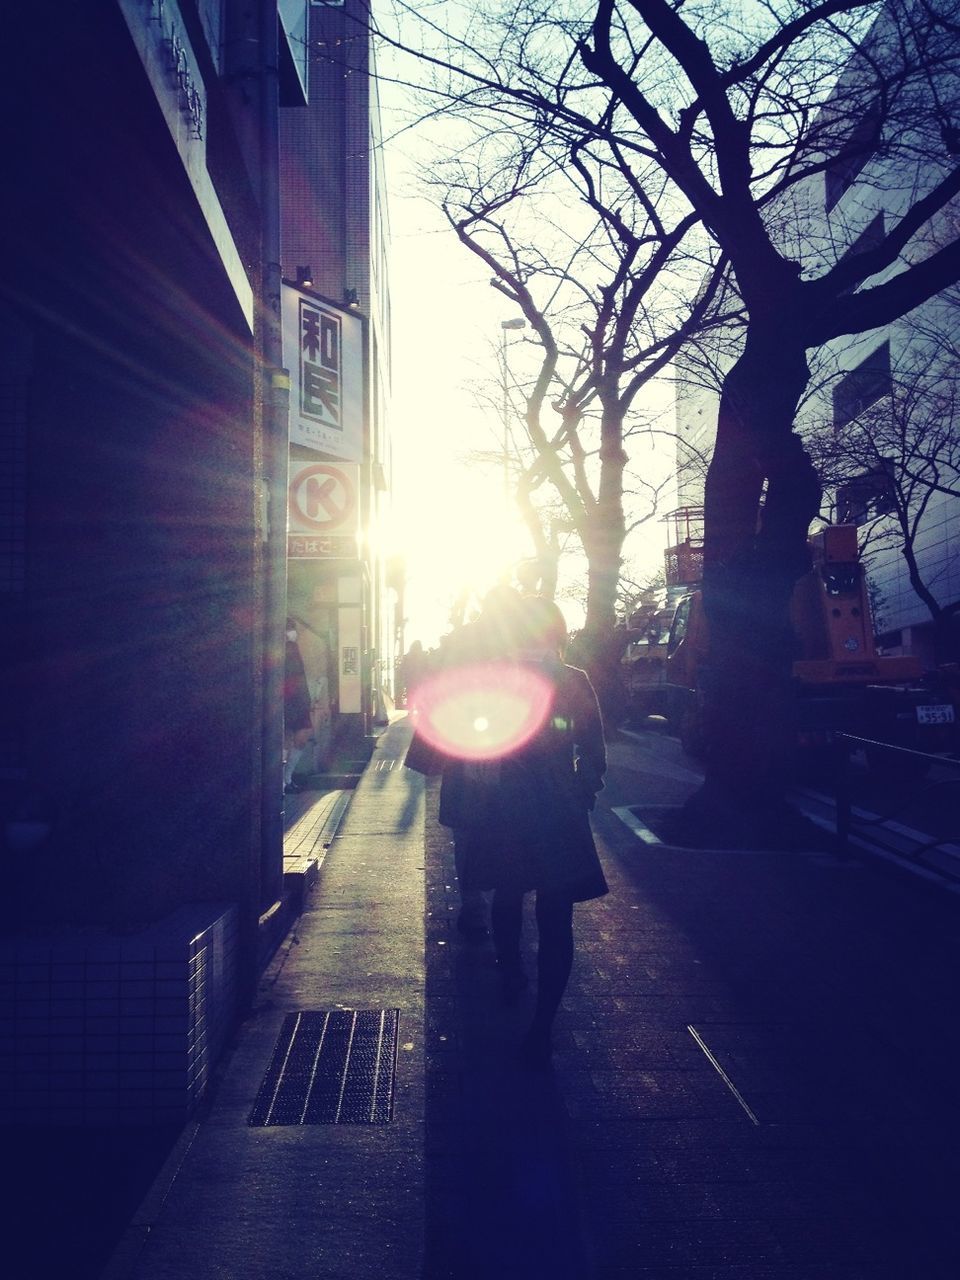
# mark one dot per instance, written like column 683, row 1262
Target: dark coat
column 296, row 693
column 523, row 820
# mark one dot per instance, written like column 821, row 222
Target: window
column 869, row 238
column 862, row 386
column 681, row 620
column 890, row 640
column 860, row 145
column 868, row 496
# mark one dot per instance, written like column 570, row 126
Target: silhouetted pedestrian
column 489, row 637
column 413, row 667
column 521, row 817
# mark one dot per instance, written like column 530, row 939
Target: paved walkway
column 343, row 1201
column 754, row 1076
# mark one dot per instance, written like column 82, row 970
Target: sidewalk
column 339, row 1200
column 754, row 1074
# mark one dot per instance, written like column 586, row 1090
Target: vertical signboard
column 323, row 349
column 350, row 638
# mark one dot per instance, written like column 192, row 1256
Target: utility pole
column 276, row 450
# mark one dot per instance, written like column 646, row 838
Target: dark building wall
column 132, row 646
column 312, row 150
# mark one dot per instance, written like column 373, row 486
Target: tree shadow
column 501, row 1197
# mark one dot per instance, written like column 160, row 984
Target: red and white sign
column 323, row 512
column 323, row 498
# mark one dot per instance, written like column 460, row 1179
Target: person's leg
column 295, row 744
column 292, row 756
column 554, row 962
column 506, row 917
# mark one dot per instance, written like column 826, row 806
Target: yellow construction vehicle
column 843, row 684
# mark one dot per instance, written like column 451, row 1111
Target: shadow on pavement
column 70, row 1193
column 500, row 1181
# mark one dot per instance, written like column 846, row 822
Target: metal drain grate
column 331, row 1067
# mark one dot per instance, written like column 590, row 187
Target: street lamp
column 516, row 323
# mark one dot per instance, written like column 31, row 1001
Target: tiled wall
column 102, row 1029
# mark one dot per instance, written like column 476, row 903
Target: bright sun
column 457, row 537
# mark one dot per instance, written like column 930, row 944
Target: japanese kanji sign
column 323, row 349
column 325, row 547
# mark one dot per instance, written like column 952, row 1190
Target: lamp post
column 517, row 323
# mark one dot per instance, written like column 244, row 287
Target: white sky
column 450, row 516
column 449, row 509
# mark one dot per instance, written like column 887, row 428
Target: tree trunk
column 599, row 648
column 761, row 494
column 601, row 642
column 539, row 574
column 606, row 527
column 603, row 576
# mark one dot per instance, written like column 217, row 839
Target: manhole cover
column 331, row 1067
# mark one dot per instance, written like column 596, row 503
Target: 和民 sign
column 323, row 349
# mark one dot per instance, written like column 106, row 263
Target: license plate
column 939, row 714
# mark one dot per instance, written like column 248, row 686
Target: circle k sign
column 322, row 497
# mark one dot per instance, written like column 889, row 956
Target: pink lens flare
column 483, row 711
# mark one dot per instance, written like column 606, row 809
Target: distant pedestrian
column 522, row 818
column 297, row 722
column 413, row 667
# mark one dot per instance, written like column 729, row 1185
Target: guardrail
column 849, row 824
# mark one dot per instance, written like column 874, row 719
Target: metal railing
column 849, row 824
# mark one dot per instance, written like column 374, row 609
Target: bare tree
column 607, row 289
column 750, row 142
column 756, row 119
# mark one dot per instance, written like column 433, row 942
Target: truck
column 842, row 683
column 643, row 664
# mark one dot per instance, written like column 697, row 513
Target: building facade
column 140, row 781
column 335, row 242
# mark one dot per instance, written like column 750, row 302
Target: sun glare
column 484, row 711
column 458, row 540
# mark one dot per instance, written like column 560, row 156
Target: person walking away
column 412, row 671
column 489, row 637
column 297, row 723
column 524, row 825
